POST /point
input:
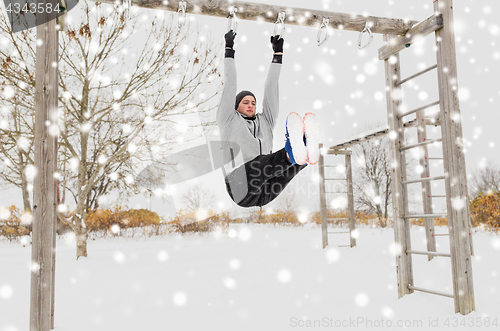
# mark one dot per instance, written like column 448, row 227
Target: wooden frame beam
column 45, row 184
column 268, row 13
column 454, row 163
column 424, row 28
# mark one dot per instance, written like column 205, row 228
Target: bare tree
column 118, row 102
column 287, row 199
column 373, row 183
column 486, row 179
column 197, row 197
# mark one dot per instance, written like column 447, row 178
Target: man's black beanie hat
column 240, row 97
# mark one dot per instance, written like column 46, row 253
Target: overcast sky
column 345, row 86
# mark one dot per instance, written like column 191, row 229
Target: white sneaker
column 312, row 131
column 294, row 146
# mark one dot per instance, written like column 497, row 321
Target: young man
column 257, row 175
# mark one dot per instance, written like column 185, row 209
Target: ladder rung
column 423, row 143
column 426, row 216
column 434, row 158
column 344, row 246
column 438, row 196
column 337, row 232
column 435, row 103
column 416, row 75
column 427, row 179
column 337, row 219
column 428, row 253
column 335, row 178
column 441, row 234
column 429, row 291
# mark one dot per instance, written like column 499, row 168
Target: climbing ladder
column 453, row 160
column 348, row 191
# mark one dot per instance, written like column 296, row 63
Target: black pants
column 260, row 180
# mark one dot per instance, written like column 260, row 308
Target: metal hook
column 232, row 23
column 280, row 20
column 370, row 34
column 324, row 26
column 181, row 12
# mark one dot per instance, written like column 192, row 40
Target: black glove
column 230, row 38
column 277, row 44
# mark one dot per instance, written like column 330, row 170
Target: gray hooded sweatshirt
column 253, row 136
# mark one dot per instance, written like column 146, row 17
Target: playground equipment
column 323, row 180
column 400, row 34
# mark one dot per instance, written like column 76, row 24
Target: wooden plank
column 404, row 268
column 421, row 180
column 337, row 152
column 322, row 198
column 435, row 103
column 454, row 163
column 423, row 154
column 414, row 288
column 429, row 253
column 430, row 25
column 422, row 143
column 45, row 162
column 350, row 199
column 416, row 75
column 263, row 12
column 415, row 216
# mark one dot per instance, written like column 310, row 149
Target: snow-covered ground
column 255, row 277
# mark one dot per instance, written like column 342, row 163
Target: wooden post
column 45, row 189
column 322, row 197
column 350, row 198
column 263, row 12
column 454, row 163
column 398, row 173
column 426, row 186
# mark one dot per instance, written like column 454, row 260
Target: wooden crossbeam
column 375, row 133
column 267, row 13
column 430, row 25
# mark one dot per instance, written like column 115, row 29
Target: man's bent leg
column 246, row 184
column 276, row 185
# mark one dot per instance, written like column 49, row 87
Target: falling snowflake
column 230, row 283
column 6, row 292
column 179, row 298
column 332, row 255
column 361, row 299
column 284, row 276
column 244, row 234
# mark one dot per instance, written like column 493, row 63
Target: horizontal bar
column 344, row 246
column 335, row 178
column 263, row 12
column 423, row 143
column 426, row 216
column 427, row 179
column 434, row 158
column 428, row 253
column 435, row 103
column 430, row 291
column 338, row 219
column 430, row 25
column 337, row 232
column 332, row 151
column 416, row 75
column 337, row 192
column 438, row 196
column 441, row 234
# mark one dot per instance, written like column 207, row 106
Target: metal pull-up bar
column 268, row 13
